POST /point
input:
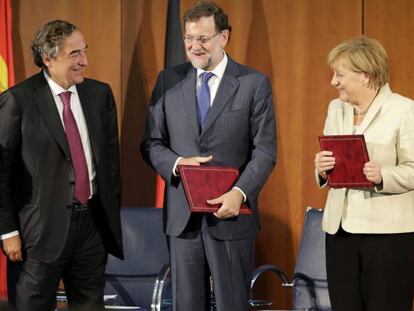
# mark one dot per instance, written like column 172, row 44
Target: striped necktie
column 203, row 98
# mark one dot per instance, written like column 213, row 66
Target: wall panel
column 392, row 22
column 100, row 24
column 143, row 33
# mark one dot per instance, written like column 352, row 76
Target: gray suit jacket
column 239, row 131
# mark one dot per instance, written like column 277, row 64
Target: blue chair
column 310, row 286
column 134, row 281
column 310, row 283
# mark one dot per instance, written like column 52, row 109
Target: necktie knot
column 205, row 76
column 65, row 97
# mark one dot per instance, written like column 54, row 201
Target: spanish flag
column 6, row 80
column 6, row 49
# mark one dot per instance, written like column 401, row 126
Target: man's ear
column 224, row 38
column 46, row 61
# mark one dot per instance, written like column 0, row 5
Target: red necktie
column 82, row 187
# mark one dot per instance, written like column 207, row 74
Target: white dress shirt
column 214, row 81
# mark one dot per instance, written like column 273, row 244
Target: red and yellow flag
column 6, row 80
column 6, row 49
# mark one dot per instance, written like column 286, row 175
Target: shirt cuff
column 244, row 195
column 175, row 172
column 9, row 235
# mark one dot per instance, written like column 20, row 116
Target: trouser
column 81, row 267
column 370, row 272
column 195, row 255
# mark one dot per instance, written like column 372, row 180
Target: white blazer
column 388, row 128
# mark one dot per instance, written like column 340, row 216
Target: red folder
column 202, row 183
column 350, row 152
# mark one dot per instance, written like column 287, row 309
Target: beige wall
column 286, row 39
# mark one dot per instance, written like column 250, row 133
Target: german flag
column 173, row 55
column 6, row 80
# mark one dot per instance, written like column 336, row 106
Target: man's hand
column 12, row 248
column 195, row 160
column 230, row 204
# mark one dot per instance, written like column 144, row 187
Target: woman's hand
column 324, row 161
column 372, row 171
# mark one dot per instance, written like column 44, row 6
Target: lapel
column 228, row 86
column 189, row 100
column 46, row 105
column 88, row 103
column 375, row 110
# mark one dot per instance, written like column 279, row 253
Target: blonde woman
column 370, row 239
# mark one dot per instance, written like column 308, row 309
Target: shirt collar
column 219, row 69
column 56, row 88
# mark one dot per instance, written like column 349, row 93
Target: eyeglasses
column 200, row 39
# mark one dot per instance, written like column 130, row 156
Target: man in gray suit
column 211, row 111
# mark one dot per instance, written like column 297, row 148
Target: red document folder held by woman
column 350, row 153
column 202, row 183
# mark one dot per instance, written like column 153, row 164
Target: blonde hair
column 363, row 54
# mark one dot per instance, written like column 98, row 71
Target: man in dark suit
column 59, row 175
column 211, row 111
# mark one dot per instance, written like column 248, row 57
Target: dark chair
column 310, row 287
column 133, row 281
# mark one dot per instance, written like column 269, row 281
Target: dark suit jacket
column 36, row 173
column 239, row 131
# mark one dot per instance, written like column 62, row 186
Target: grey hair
column 49, row 39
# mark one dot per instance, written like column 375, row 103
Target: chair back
column 310, row 286
column 133, row 279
